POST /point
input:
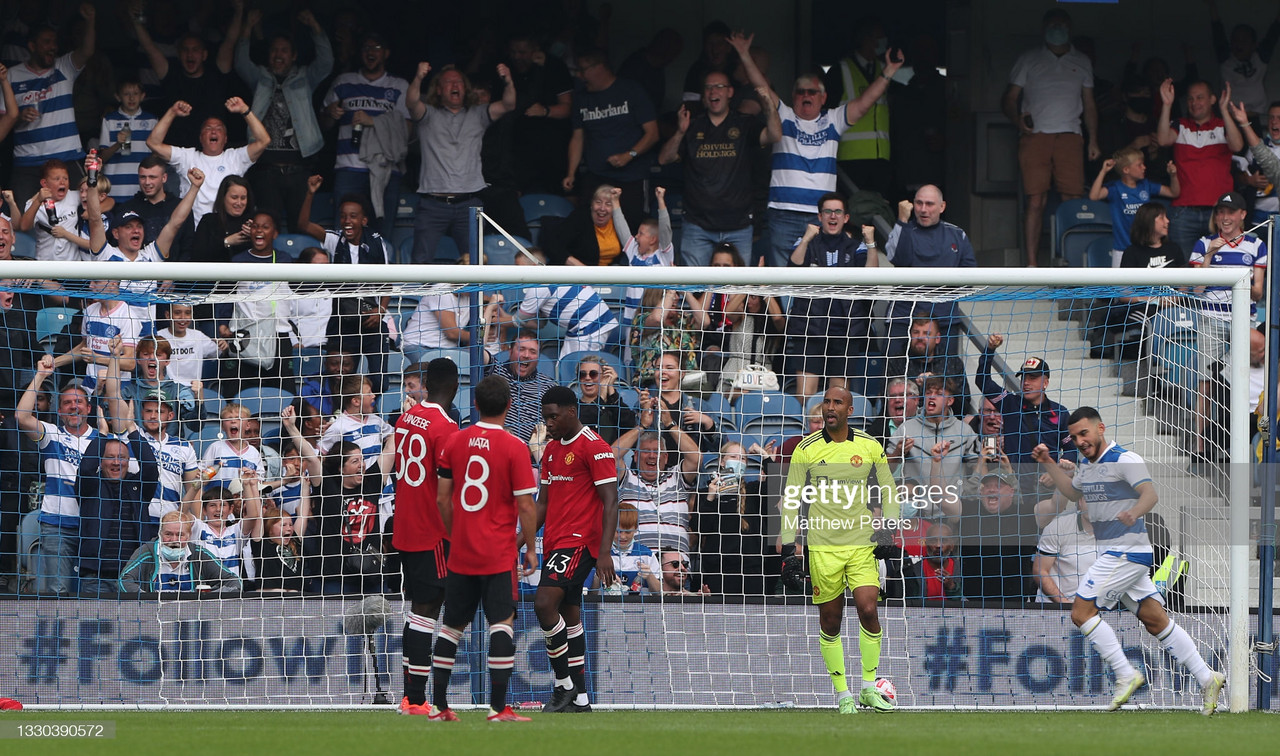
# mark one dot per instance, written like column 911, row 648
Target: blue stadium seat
column 24, row 245
column 722, row 411
column 862, row 410
column 1099, row 253
column 567, row 368
column 269, row 428
column 1076, row 245
column 209, row 432
column 264, row 401
column 403, row 249
column 391, row 403
column 1076, row 223
column 396, row 363
column 499, row 251
column 212, row 403
column 770, row 414
column 539, row 206
column 405, row 209
column 293, row 244
column 308, row 361
column 629, row 396
column 52, row 321
column 462, row 400
column 271, row 435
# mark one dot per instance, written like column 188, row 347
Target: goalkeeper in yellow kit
column 840, row 493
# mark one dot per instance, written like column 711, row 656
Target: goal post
column 690, row 651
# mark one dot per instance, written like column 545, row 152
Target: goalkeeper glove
column 885, row 548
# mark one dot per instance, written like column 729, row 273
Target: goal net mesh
column 705, row 389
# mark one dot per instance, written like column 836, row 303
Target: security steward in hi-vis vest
column 868, row 139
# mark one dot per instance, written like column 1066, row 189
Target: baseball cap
column 1232, row 200
column 1034, row 366
column 1004, row 476
column 128, row 215
column 161, row 396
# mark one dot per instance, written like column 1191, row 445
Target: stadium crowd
column 248, row 441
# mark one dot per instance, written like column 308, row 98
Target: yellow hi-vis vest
column 868, row 139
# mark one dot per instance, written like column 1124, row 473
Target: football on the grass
column 887, row 689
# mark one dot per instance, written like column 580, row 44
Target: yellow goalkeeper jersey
column 838, row 493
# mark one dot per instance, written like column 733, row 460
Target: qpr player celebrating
column 578, row 502
column 1117, row 491
column 479, row 512
column 417, row 529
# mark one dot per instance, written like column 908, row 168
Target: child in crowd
column 228, row 522
column 189, row 348
column 80, row 236
column 280, row 554
column 228, row 456
column 650, row 246
column 300, row 473
column 104, row 318
column 55, row 185
column 358, row 423
column 122, row 144
column 1129, row 192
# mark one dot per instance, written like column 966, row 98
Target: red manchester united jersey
column 420, row 434
column 489, row 469
column 571, row 470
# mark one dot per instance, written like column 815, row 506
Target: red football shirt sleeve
column 443, row 468
column 604, row 468
column 521, row 472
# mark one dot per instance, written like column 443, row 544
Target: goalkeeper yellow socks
column 833, row 656
column 869, row 646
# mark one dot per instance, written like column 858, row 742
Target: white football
column 887, row 689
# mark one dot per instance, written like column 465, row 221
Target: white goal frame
column 749, row 278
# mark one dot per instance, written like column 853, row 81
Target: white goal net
column 254, row 387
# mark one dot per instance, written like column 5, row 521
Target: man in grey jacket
column 937, row 426
column 282, row 93
column 172, row 562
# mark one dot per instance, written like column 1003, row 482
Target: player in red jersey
column 480, row 514
column 417, row 530
column 578, row 502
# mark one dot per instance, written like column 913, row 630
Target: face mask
column 173, row 553
column 735, row 466
column 882, row 47
column 1057, row 35
column 1140, row 104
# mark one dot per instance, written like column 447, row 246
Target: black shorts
column 464, row 593
column 424, row 573
column 567, row 569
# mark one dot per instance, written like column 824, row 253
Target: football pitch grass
column 742, row 733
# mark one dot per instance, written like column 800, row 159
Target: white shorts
column 1114, row 579
column 592, row 342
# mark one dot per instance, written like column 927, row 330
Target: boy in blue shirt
column 1131, row 191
